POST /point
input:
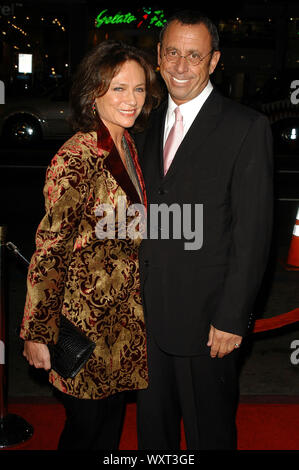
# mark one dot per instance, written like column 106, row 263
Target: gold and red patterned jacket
column 93, row 282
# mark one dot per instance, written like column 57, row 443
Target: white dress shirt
column 188, row 110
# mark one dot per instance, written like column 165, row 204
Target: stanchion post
column 13, row 428
column 3, row 390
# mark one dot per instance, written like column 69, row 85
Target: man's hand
column 222, row 343
column 37, row 354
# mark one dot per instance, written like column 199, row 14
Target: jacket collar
column 114, row 164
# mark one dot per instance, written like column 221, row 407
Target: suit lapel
column 152, row 154
column 114, row 164
column 198, row 135
column 161, row 139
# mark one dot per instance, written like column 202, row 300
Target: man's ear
column 214, row 61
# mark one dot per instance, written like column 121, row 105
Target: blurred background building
column 258, row 38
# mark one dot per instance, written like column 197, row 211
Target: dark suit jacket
column 224, row 163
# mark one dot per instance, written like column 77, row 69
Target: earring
column 94, row 109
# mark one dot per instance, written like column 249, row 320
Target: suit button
column 146, row 263
column 162, row 191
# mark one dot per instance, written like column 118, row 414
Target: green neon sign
column 147, row 18
column 118, row 18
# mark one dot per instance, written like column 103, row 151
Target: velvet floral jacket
column 94, row 282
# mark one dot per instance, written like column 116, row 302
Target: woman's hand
column 37, row 354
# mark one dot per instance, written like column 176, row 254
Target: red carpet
column 260, row 426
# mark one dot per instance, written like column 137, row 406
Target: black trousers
column 200, row 389
column 92, row 424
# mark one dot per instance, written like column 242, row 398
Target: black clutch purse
column 71, row 351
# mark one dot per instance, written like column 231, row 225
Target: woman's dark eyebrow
column 125, row 84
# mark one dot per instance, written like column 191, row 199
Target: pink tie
column 173, row 140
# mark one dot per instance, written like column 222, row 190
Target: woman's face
column 123, row 102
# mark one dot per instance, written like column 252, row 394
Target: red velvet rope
column 276, row 322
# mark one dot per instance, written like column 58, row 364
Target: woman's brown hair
column 93, row 79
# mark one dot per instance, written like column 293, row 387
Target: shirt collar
column 192, row 107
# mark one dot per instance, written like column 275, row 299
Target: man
column 198, row 299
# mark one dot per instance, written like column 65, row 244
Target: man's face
column 184, row 81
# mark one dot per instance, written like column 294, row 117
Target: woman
column 91, row 280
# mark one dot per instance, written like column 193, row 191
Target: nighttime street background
column 259, row 62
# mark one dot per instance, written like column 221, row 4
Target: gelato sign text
column 145, row 17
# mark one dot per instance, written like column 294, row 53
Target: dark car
column 36, row 117
column 279, row 100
